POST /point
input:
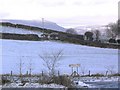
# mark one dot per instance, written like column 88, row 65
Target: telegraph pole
column 43, row 23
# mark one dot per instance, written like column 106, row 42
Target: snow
column 92, row 58
column 81, row 84
column 33, row 85
column 4, row 29
column 99, row 79
column 97, row 82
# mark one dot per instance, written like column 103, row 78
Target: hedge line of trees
column 66, row 37
column 19, row 36
column 61, row 35
column 111, row 40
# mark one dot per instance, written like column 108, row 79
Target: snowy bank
column 32, row 85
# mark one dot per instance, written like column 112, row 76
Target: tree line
column 112, row 33
column 86, row 39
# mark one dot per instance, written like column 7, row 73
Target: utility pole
column 43, row 23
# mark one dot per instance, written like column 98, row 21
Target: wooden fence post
column 89, row 73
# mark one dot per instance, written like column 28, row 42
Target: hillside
column 35, row 23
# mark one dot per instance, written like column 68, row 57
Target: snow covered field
column 91, row 58
column 4, row 29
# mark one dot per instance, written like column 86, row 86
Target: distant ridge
column 47, row 24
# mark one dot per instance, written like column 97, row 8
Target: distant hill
column 102, row 28
column 47, row 24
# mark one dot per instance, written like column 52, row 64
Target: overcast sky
column 67, row 13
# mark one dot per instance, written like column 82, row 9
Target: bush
column 112, row 40
column 117, row 74
column 45, row 79
column 20, row 36
column 97, row 75
column 63, row 80
column 4, row 80
column 118, row 41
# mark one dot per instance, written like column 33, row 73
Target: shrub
column 63, row 80
column 4, row 80
column 112, row 40
column 118, row 41
column 97, row 75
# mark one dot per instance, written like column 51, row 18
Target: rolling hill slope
column 90, row 58
column 47, row 24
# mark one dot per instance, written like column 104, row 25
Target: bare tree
column 30, row 68
column 89, row 36
column 71, row 31
column 97, row 34
column 112, row 30
column 20, row 65
column 51, row 61
column 83, row 70
column 110, row 69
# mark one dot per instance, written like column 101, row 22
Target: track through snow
column 91, row 58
